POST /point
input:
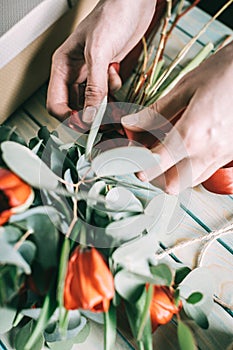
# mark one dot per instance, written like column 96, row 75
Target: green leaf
column 131, row 227
column 124, row 160
column 10, row 233
column 110, row 328
column 162, row 274
column 22, row 161
column 84, row 169
column 28, row 251
column 121, row 199
column 8, row 134
column 194, row 298
column 185, row 337
column 137, row 252
column 44, row 231
column 95, row 127
column 7, row 317
column 23, row 336
column 68, row 343
column 134, row 314
column 181, row 274
column 9, row 256
column 128, row 285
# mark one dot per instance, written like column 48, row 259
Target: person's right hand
column 105, row 36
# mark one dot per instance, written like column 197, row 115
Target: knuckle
column 94, row 91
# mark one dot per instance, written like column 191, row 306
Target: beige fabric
column 29, row 27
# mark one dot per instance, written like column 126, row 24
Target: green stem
column 145, row 312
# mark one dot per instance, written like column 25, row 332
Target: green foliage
column 185, row 337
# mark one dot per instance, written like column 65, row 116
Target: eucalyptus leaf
column 95, row 127
column 124, row 160
column 84, row 169
column 45, row 209
column 129, row 286
column 7, row 133
column 68, row 343
column 44, row 231
column 185, row 337
column 28, row 251
column 137, row 252
column 10, row 233
column 7, row 317
column 126, row 229
column 23, row 335
column 97, row 317
column 10, row 256
column 162, row 274
column 181, row 273
column 22, row 161
column 76, row 324
column 162, row 208
column 121, row 199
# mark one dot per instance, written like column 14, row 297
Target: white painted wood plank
column 193, row 21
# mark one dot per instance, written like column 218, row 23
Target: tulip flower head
column 162, row 306
column 15, row 195
column 89, row 283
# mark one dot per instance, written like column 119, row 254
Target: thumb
column 96, row 88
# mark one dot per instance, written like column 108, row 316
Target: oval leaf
column 185, row 337
column 121, row 199
column 194, row 298
column 124, row 160
column 128, row 228
column 28, row 166
column 129, row 286
column 162, row 274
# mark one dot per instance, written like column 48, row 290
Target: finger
column 58, row 96
column 145, row 120
column 182, row 175
column 207, row 173
column 176, row 100
column 97, row 86
column 114, row 80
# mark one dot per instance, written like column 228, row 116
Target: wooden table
column 204, row 212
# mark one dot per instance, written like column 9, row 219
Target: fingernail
column 130, row 119
column 89, row 114
column 142, row 176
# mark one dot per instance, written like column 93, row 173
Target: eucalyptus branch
column 23, row 239
column 209, row 237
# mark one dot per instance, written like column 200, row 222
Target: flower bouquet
column 80, row 238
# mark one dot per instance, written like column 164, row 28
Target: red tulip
column 89, row 283
column 162, row 306
column 15, row 195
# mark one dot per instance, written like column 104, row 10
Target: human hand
column 105, row 36
column 201, row 140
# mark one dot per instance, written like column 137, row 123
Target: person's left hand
column 201, row 141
